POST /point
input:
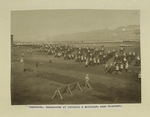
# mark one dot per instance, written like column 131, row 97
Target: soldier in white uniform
column 79, row 52
column 106, row 67
column 72, row 56
column 139, row 77
column 94, row 61
column 126, row 66
column 84, row 58
column 91, row 60
column 124, row 60
column 98, row 61
column 117, row 69
column 69, row 56
column 121, row 67
column 87, row 78
column 90, row 54
column 79, row 58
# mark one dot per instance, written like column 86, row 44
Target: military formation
column 91, row 56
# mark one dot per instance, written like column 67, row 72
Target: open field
column 37, row 85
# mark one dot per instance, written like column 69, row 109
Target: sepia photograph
column 75, row 56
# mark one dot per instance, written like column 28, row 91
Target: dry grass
column 37, row 85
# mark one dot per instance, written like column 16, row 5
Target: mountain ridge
column 130, row 32
column 121, row 33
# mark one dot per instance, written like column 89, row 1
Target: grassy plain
column 37, row 85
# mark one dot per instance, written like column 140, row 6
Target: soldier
column 124, row 60
column 104, row 59
column 96, row 51
column 121, row 50
column 79, row 52
column 117, row 69
column 121, row 67
column 138, row 60
column 126, row 66
column 106, row 67
column 79, row 58
column 59, row 54
column 100, row 54
column 94, row 59
column 91, row 62
column 124, row 54
column 98, row 61
column 130, row 53
column 114, row 52
column 82, row 58
column 91, row 55
column 139, row 75
column 69, row 56
column 103, row 49
column 108, row 54
column 133, row 56
column 72, row 56
column 88, row 52
column 54, row 52
column 86, row 79
column 116, row 58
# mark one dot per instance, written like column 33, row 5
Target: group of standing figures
column 90, row 55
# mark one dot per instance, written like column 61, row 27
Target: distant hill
column 131, row 32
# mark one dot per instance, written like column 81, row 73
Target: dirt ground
column 37, row 85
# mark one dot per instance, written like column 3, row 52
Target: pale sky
column 31, row 24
